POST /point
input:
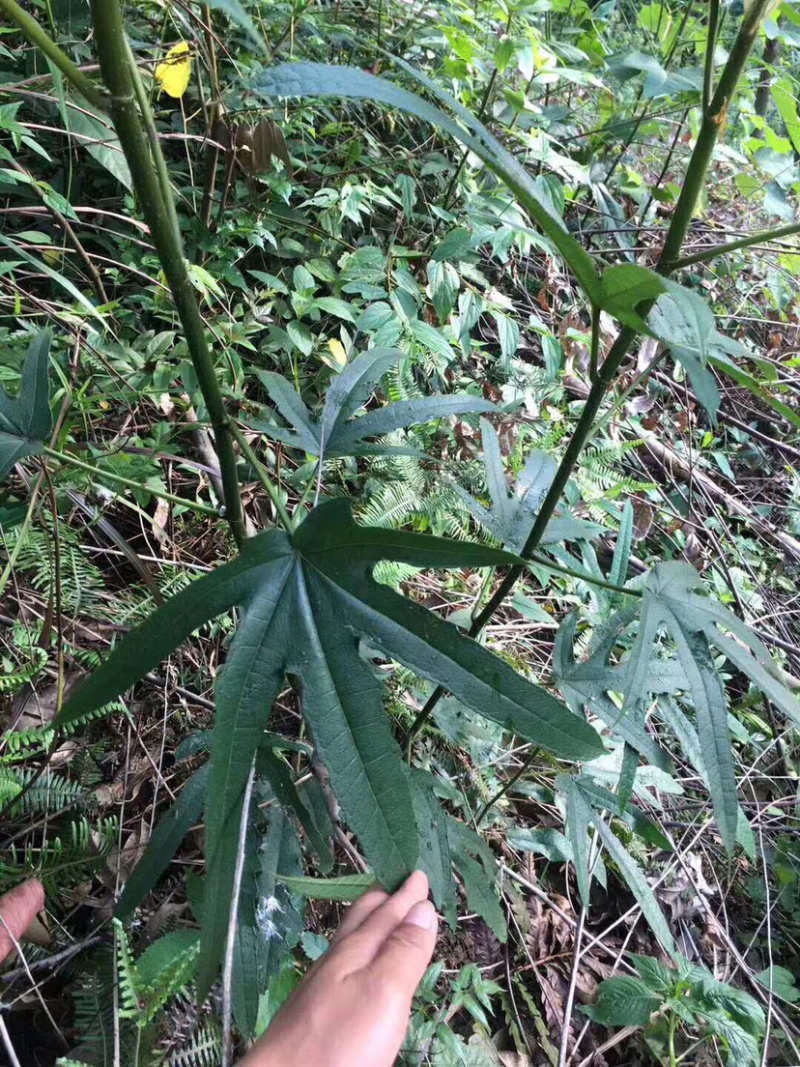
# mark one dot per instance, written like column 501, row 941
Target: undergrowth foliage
column 344, row 391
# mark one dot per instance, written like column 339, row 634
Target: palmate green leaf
column 25, row 420
column 338, row 432
column 306, row 600
column 475, row 863
column 435, row 858
column 622, row 551
column 589, row 683
column 320, row 79
column 512, row 515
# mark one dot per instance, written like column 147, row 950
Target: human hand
column 18, row 909
column 352, row 1008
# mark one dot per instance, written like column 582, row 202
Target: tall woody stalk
column 713, row 122
column 145, row 163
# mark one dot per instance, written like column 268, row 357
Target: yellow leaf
column 176, row 70
column 338, row 357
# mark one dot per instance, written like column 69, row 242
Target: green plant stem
column 41, row 39
column 594, row 353
column 263, row 476
column 152, row 136
column 130, row 127
column 734, row 246
column 110, row 476
column 711, row 47
column 681, row 220
column 501, row 792
column 542, row 561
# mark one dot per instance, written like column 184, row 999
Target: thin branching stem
column 713, row 122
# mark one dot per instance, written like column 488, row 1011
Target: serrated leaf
column 319, row 79
column 549, row 843
column 624, row 1001
column 346, row 889
column 171, row 829
column 338, row 432
column 637, row 883
column 306, row 600
column 475, row 863
column 579, row 815
column 435, row 857
column 622, row 550
column 654, row 974
column 25, row 420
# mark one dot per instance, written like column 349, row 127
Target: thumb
column 406, row 952
column 18, row 909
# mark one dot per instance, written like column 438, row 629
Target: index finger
column 18, row 909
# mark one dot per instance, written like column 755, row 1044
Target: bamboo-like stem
column 131, row 130
column 148, row 170
column 734, row 246
column 42, row 40
column 712, row 123
column 711, row 47
column 263, row 476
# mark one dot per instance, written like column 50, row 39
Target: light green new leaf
column 338, row 432
column 25, row 420
column 306, row 600
column 346, row 889
column 319, row 79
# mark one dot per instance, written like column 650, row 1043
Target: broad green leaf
column 346, row 889
column 236, row 12
column 97, row 136
column 781, row 981
column 654, row 974
column 319, row 79
column 549, row 843
column 172, row 827
column 25, row 420
column 338, row 432
column 306, row 600
column 785, row 99
column 334, row 306
column 476, row 865
column 435, row 857
column 600, row 797
column 624, row 1001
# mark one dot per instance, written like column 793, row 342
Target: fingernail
column 423, row 914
